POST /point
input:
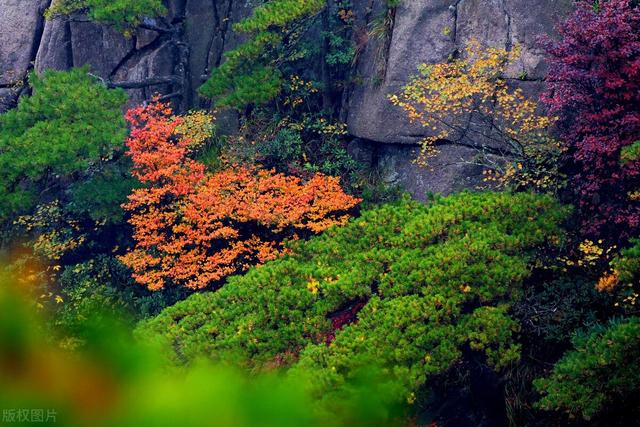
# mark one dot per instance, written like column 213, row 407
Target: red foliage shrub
column 595, row 90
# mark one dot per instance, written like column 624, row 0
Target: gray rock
column 145, row 65
column 145, row 37
column 447, row 172
column 205, row 32
column 209, row 35
column 418, row 36
column 528, row 23
column 101, row 47
column 20, row 28
column 7, row 98
column 203, row 27
column 430, row 31
column 55, row 51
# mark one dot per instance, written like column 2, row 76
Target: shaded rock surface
column 21, row 26
column 396, row 166
column 173, row 55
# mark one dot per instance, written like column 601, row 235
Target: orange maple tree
column 193, row 228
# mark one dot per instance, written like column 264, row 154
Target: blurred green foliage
column 104, row 282
column 114, row 381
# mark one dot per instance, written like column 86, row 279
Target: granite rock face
column 431, row 31
column 172, row 57
column 21, row 26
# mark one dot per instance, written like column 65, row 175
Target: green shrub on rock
column 123, row 14
column 409, row 287
column 250, row 74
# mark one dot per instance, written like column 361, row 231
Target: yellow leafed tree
column 468, row 101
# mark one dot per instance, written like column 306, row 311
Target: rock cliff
column 430, row 31
column 173, row 55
